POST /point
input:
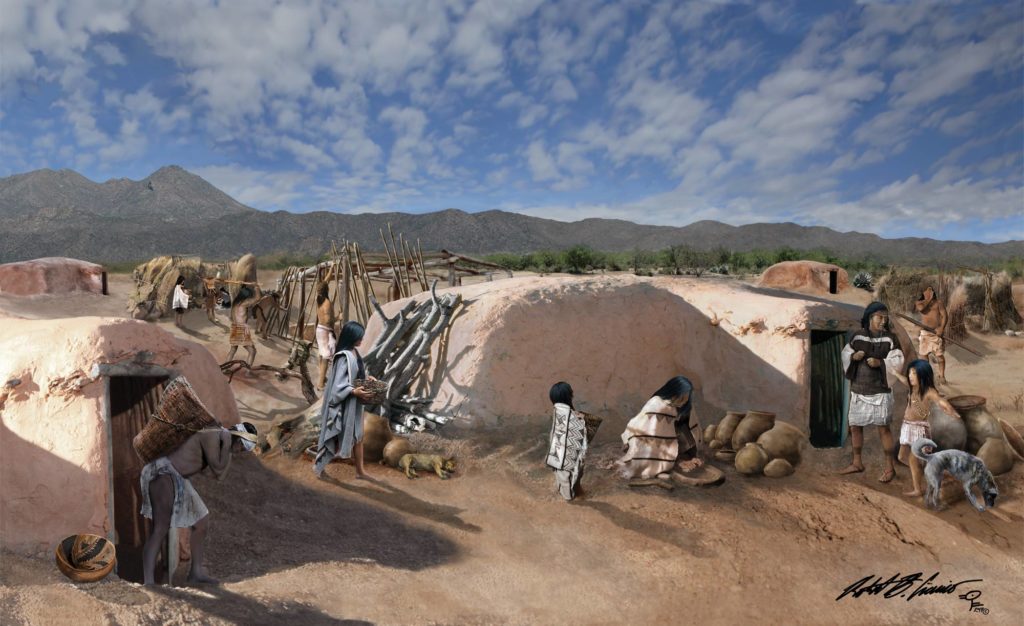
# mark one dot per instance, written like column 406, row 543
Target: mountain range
column 172, row 211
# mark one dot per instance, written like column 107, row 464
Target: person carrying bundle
column 241, row 334
column 170, row 500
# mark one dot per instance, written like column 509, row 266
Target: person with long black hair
column 341, row 417
column 869, row 355
column 921, row 401
column 180, row 301
column 665, row 432
column 567, row 444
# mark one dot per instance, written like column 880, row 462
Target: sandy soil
column 494, row 545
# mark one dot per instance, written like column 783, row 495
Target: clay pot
column 376, row 434
column 1014, row 438
column 783, row 441
column 997, row 455
column 715, row 444
column 979, row 422
column 778, row 468
column 709, row 432
column 751, row 459
column 751, row 427
column 947, row 431
column 395, row 450
column 727, row 426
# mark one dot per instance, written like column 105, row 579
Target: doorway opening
column 132, row 400
column 829, row 390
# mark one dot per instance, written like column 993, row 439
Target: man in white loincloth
column 170, row 500
column 325, row 340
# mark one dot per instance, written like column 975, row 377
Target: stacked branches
column 402, row 353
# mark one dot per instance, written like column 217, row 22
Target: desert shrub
column 578, row 258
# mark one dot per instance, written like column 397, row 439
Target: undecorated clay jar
column 751, row 459
column 751, row 427
column 778, row 468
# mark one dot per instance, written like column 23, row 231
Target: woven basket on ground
column 592, row 422
column 85, row 558
column 179, row 416
column 377, row 388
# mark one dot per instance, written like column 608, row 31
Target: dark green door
column 829, row 397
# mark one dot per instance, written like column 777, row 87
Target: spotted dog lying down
column 967, row 468
column 433, row 462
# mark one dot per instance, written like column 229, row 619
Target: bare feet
column 852, row 468
column 887, row 476
column 362, row 476
column 201, row 579
column 914, row 493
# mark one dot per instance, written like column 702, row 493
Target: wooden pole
column 393, row 263
column 401, row 284
column 364, row 302
column 347, row 271
column 414, row 266
column 423, row 268
column 932, row 330
column 405, row 265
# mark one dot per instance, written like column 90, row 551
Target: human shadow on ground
column 262, row 522
column 676, row 536
column 395, row 498
column 238, row 609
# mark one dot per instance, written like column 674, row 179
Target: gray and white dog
column 967, row 468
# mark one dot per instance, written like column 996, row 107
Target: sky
column 896, row 118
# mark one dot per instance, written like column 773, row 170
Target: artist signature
column 911, row 586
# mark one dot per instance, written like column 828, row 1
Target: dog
column 967, row 468
column 412, row 462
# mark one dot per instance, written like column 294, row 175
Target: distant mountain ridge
column 172, row 211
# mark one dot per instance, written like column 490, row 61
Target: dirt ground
column 495, row 545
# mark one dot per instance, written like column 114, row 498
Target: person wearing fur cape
column 663, row 433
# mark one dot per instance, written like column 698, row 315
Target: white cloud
column 110, row 54
column 262, row 189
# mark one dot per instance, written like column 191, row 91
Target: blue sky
column 898, row 118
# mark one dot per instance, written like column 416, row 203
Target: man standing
column 867, row 356
column 325, row 341
column 932, row 345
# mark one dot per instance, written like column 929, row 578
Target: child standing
column 923, row 396
column 568, row 442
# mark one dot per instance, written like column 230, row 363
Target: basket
column 96, row 557
column 377, row 388
column 592, row 422
column 179, row 415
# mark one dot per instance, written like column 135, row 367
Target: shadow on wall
column 618, row 348
column 34, row 515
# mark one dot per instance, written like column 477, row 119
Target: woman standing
column 180, row 301
column 661, row 434
column 922, row 399
column 341, row 417
column 568, row 442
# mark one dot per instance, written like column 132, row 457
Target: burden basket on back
column 592, row 422
column 179, row 416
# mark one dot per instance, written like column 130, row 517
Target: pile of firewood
column 401, row 355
